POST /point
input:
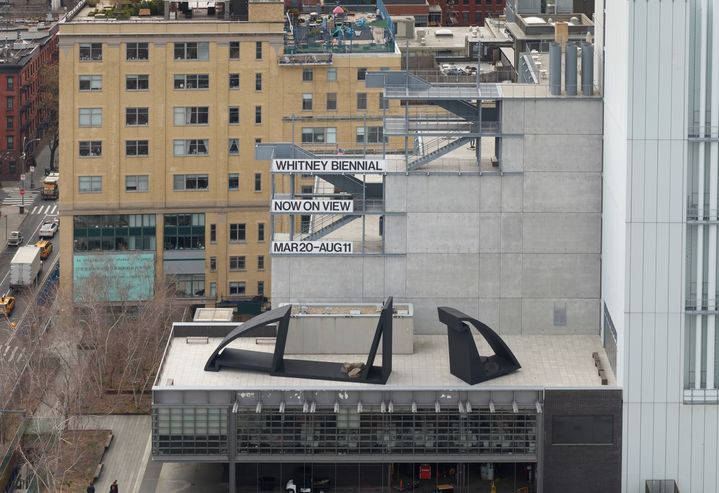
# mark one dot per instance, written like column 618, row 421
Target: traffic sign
column 22, row 177
column 22, row 191
column 32, row 169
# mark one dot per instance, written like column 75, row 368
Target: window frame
column 138, row 146
column 138, row 79
column 201, row 82
column 189, row 178
column 137, row 112
column 237, row 233
column 140, row 182
column 188, row 145
column 92, row 184
column 233, row 178
column 237, row 263
column 93, row 52
column 91, row 149
column 191, row 51
column 191, row 116
column 90, row 79
column 93, row 114
column 138, row 48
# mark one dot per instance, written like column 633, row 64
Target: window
column 234, row 115
column 12, row 166
column 213, row 289
column 361, row 73
column 137, row 183
column 137, row 51
column 184, row 231
column 237, row 262
column 136, row 148
column 306, row 75
column 258, row 50
column 258, row 182
column 233, row 181
column 306, row 101
column 136, row 116
column 234, row 50
column 383, row 102
column 190, row 147
column 213, row 233
column 118, row 232
column 237, row 288
column 261, row 232
column 361, row 100
column 91, row 82
column 572, row 430
column 10, row 122
column 192, row 81
column 233, row 147
column 374, row 135
column 331, row 100
column 238, row 232
column 90, row 148
column 10, row 142
column 258, row 82
column 213, row 264
column 10, row 103
column 90, row 52
column 258, row 115
column 260, row 288
column 137, row 82
column 91, row 117
column 192, row 51
column 319, row 135
column 191, row 115
column 10, row 80
column 90, row 184
column 331, row 74
column 234, row 81
column 190, row 182
column 260, row 262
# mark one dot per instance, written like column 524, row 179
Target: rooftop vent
column 443, row 32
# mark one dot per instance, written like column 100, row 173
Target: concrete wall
column 509, row 249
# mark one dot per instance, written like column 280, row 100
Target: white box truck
column 25, row 267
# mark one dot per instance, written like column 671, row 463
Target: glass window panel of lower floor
column 187, row 285
column 189, row 431
column 114, row 232
column 374, row 433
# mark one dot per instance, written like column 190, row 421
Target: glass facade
column 189, row 431
column 114, row 233
column 184, row 231
column 373, row 433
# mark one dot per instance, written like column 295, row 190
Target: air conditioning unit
column 494, row 161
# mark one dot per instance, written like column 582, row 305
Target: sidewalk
column 10, row 217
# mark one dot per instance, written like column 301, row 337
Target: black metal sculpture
column 464, row 359
column 276, row 365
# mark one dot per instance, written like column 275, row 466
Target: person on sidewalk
column 113, row 487
column 91, row 488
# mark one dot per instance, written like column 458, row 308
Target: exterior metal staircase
column 344, row 183
column 325, row 224
column 433, row 149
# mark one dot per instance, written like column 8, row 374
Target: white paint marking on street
column 12, row 355
column 54, row 209
column 34, row 210
column 7, row 348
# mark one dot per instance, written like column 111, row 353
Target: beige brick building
column 159, row 118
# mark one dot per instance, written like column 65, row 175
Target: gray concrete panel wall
column 520, row 251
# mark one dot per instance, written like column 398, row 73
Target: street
column 13, row 348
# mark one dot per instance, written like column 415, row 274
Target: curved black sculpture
column 276, row 365
column 464, row 359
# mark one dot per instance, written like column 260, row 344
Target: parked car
column 15, row 238
column 48, row 229
column 306, row 483
column 7, row 305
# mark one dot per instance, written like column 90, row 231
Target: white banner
column 312, row 247
column 333, row 165
column 312, row 206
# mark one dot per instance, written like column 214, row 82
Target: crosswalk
column 47, row 210
column 11, row 352
column 14, row 198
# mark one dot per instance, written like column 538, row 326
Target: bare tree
column 48, row 106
